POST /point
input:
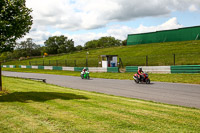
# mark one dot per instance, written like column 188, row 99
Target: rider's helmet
column 140, row 69
column 84, row 69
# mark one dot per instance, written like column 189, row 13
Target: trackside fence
column 92, row 62
column 162, row 60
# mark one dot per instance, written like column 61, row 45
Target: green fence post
column 43, row 62
column 56, row 62
column 174, row 59
column 30, row 63
column 74, row 63
column 120, row 63
column 0, row 78
column 86, row 62
column 98, row 63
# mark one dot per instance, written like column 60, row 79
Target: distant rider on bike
column 84, row 70
column 140, row 72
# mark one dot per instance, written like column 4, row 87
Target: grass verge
column 32, row 106
column 173, row 78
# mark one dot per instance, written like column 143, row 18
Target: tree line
column 55, row 45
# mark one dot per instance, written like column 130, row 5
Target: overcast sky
column 85, row 20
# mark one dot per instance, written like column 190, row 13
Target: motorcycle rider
column 84, row 70
column 140, row 72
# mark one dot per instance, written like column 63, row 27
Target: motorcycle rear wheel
column 148, row 81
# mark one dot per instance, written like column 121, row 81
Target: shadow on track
column 133, row 82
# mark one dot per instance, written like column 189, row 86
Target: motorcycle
column 144, row 78
column 85, row 75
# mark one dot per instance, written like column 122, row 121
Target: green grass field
column 174, row 78
column 31, row 106
column 186, row 53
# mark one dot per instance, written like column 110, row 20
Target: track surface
column 171, row 93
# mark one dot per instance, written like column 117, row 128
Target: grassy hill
column 186, row 53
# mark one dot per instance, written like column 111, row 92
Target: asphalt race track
column 171, row 93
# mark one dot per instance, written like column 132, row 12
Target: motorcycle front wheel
column 136, row 81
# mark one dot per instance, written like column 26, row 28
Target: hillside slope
column 186, row 53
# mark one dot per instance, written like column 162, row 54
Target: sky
column 86, row 20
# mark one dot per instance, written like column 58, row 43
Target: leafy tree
column 5, row 56
column 103, row 42
column 15, row 22
column 91, row 44
column 124, row 43
column 79, row 48
column 27, row 48
column 109, row 42
column 43, row 50
column 59, row 44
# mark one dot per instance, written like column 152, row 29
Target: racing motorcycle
column 85, row 75
column 144, row 78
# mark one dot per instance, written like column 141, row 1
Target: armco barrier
column 79, row 69
column 150, row 69
column 40, row 67
column 156, row 69
column 185, row 69
column 57, row 68
column 68, row 68
column 48, row 67
column 22, row 66
column 113, row 69
column 28, row 66
column 34, row 67
column 97, row 69
column 131, row 68
column 8, row 66
column 166, row 69
column 91, row 69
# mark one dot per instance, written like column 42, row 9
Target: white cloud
column 91, row 14
column 121, row 32
column 193, row 8
column 170, row 24
column 117, row 31
column 77, row 15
